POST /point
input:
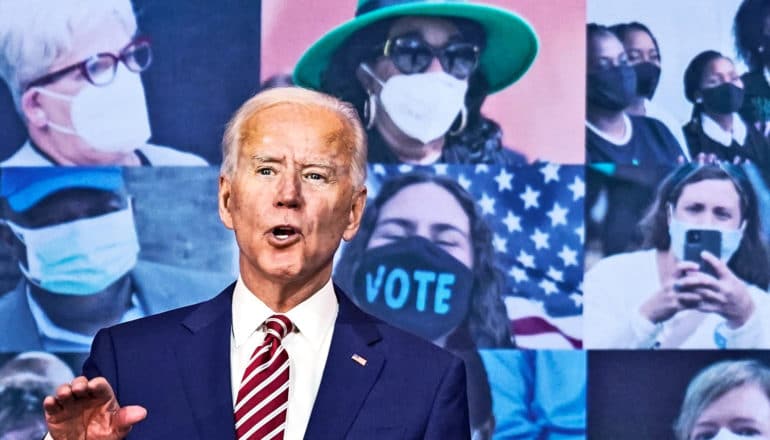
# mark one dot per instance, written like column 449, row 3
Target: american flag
column 536, row 216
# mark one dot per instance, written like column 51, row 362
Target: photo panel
column 695, row 78
column 729, row 394
column 86, row 248
column 25, row 379
column 480, row 255
column 537, row 393
column 186, row 67
column 538, row 115
column 677, row 257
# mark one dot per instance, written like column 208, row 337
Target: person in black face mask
column 716, row 130
column 752, row 40
column 432, row 272
column 644, row 56
column 611, row 87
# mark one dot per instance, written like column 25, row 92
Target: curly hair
column 477, row 143
column 487, row 321
column 747, row 30
column 751, row 261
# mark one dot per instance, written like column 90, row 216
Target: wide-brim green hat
column 510, row 49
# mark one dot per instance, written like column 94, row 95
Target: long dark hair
column 621, row 30
column 487, row 323
column 747, row 30
column 481, row 137
column 751, row 262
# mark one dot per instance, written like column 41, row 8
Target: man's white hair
column 302, row 97
column 35, row 33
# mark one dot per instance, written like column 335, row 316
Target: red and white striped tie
column 260, row 410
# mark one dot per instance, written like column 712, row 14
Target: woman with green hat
column 418, row 72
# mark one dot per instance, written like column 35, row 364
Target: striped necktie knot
column 278, row 326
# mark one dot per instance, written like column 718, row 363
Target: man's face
column 291, row 198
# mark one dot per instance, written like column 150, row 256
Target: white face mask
column 110, row 118
column 422, row 105
column 731, row 238
column 80, row 257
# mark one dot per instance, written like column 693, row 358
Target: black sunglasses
column 412, row 54
column 100, row 69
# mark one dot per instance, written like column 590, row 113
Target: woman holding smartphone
column 655, row 298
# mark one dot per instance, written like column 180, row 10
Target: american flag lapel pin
column 361, row 361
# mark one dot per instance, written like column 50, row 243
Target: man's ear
column 33, row 112
column 224, row 199
column 356, row 213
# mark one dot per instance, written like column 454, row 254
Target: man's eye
column 265, row 171
column 315, row 176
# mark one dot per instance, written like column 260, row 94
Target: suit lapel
column 203, row 353
column 345, row 382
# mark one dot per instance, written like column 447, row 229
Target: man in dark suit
column 291, row 187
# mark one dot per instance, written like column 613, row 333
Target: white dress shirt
column 308, row 347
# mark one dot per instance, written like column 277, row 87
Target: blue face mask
column 81, row 257
column 731, row 239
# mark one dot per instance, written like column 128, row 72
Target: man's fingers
column 100, row 389
column 127, row 417
column 79, row 387
column 51, row 405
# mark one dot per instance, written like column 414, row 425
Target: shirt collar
column 615, row 141
column 715, row 132
column 312, row 317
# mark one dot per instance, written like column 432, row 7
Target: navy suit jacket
column 177, row 365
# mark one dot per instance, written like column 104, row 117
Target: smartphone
column 698, row 240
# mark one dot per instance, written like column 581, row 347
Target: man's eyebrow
column 260, row 158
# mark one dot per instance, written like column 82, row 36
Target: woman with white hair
column 72, row 67
column 729, row 400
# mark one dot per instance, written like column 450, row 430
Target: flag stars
column 482, row 168
column 512, row 222
column 550, row 172
column 555, row 274
column 526, row 259
column 578, row 188
column 577, row 299
column 558, row 215
column 440, row 169
column 487, row 204
column 464, row 182
column 540, row 239
column 568, row 256
column 518, row 274
column 503, row 180
column 500, row 244
column 548, row 286
column 379, row 169
column 530, row 198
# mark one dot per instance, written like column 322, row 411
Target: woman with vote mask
column 418, row 73
column 611, row 86
column 713, row 86
column 729, row 400
column 430, row 270
column 656, row 298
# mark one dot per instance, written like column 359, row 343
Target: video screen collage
column 530, row 165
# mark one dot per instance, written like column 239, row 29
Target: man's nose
column 288, row 194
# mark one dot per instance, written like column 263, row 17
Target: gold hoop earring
column 463, row 122
column 370, row 110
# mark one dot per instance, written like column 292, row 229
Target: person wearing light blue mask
column 72, row 233
column 653, row 298
column 729, row 400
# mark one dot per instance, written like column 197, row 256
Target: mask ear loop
column 370, row 105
